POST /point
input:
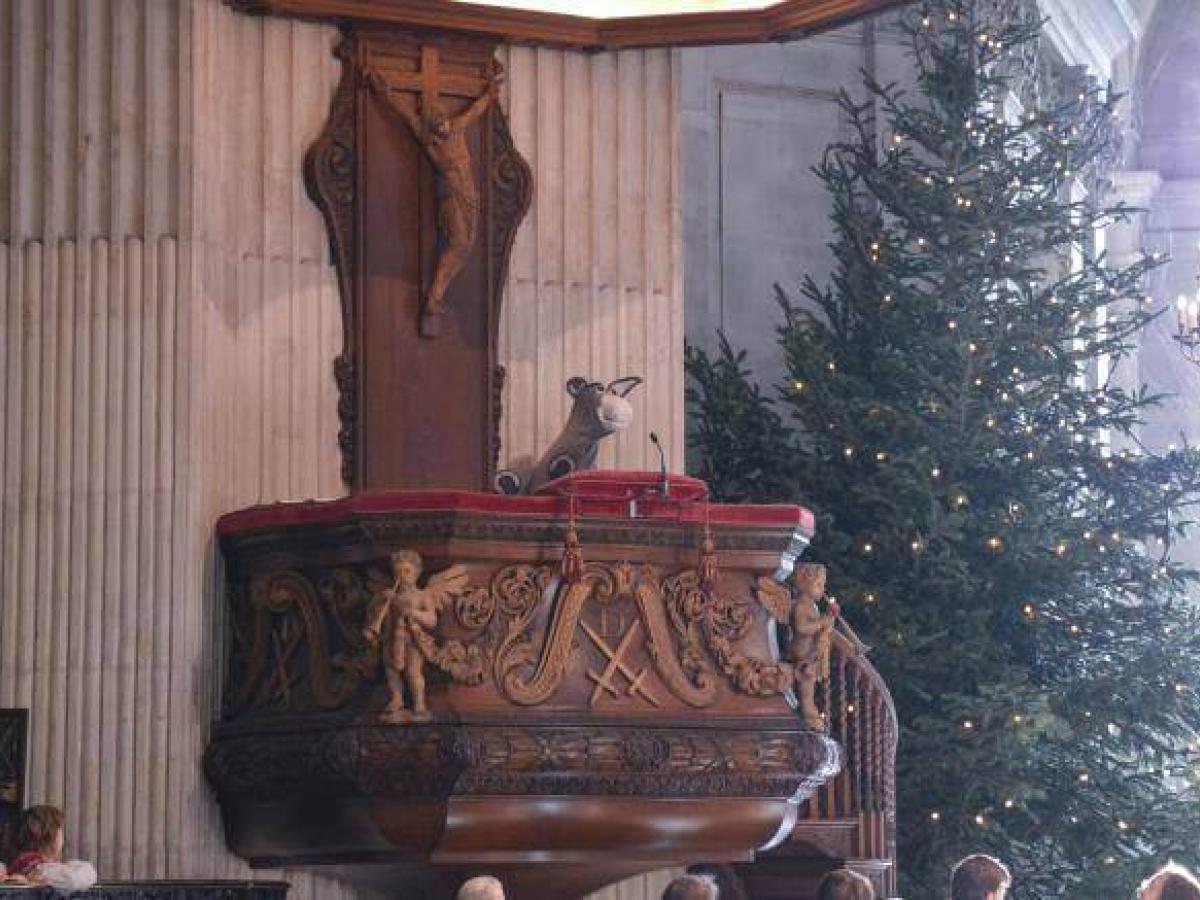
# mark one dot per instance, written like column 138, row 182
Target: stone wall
column 754, row 122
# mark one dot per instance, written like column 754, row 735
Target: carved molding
column 433, row 761
column 774, row 22
column 512, row 192
column 411, row 527
column 330, row 176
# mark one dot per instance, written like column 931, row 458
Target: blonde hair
column 1171, row 882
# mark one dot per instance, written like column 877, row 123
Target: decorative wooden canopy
column 773, row 22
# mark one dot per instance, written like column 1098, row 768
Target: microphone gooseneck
column 662, row 464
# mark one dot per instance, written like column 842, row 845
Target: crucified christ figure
column 444, row 140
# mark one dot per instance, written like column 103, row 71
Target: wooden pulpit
column 426, row 680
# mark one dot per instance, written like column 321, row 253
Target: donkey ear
column 622, row 386
column 576, row 386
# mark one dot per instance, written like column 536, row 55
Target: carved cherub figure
column 811, row 631
column 404, row 618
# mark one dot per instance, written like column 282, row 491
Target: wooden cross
column 431, row 84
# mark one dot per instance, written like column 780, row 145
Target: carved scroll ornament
column 300, row 646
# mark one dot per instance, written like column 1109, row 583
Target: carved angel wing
column 445, row 585
column 775, row 598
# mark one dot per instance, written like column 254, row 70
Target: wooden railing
column 862, row 719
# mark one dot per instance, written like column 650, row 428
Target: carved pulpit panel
column 422, row 192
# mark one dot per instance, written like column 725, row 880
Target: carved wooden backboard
column 418, row 395
column 14, row 727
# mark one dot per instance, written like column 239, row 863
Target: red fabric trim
column 599, row 495
column 26, row 862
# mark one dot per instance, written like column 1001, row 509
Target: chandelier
column 1187, row 324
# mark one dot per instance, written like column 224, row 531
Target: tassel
column 572, row 558
column 706, row 570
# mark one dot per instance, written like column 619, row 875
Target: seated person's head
column 843, row 884
column 691, row 887
column 1171, row 882
column 42, row 831
column 979, row 877
column 482, row 887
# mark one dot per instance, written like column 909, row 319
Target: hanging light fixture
column 1187, row 323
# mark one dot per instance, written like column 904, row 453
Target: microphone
column 662, row 465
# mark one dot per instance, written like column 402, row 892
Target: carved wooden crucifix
column 422, row 190
column 443, row 137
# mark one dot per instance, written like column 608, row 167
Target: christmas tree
column 954, row 413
